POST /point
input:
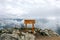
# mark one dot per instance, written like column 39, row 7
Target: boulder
column 23, row 36
column 7, row 37
column 28, row 36
column 49, row 33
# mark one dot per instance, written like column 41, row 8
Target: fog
column 40, row 23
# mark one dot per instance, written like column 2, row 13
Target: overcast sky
column 30, row 9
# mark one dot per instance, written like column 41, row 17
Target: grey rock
column 24, row 36
column 7, row 37
column 49, row 33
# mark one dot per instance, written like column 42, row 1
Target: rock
column 24, row 36
column 28, row 36
column 49, row 33
column 52, row 33
column 44, row 33
column 7, row 37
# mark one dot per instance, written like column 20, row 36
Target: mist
column 40, row 23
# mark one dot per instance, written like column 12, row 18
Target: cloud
column 25, row 7
column 58, row 3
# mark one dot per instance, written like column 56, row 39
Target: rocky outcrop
column 23, row 36
column 47, row 32
column 20, row 35
column 28, row 36
column 8, row 37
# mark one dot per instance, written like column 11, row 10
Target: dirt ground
column 47, row 38
column 40, row 37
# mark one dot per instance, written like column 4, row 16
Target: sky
column 49, row 9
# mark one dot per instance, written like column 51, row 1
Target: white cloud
column 9, row 0
column 58, row 3
column 21, row 7
column 51, row 18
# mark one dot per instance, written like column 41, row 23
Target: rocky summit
column 17, row 34
column 23, row 36
column 48, row 32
